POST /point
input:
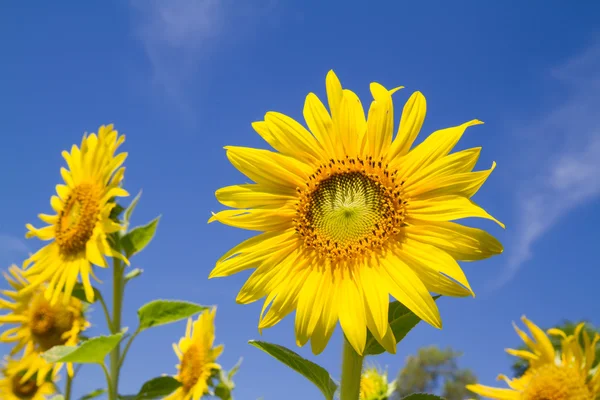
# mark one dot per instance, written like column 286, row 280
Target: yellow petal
column 376, row 300
column 327, row 322
column 255, row 196
column 352, row 123
column 320, row 124
column 308, row 311
column 334, row 94
column 268, row 168
column 406, row 287
column 437, row 145
column 461, row 242
column 256, row 219
column 413, row 115
column 494, row 393
column 446, row 208
column 466, row 184
column 380, row 122
column 291, row 138
column 544, row 344
column 352, row 314
column 456, row 163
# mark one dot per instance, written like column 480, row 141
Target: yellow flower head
column 350, row 215
column 374, row 385
column 79, row 228
column 38, row 325
column 12, row 386
column 566, row 375
column 197, row 358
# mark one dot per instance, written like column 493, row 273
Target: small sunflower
column 12, row 386
column 374, row 385
column 38, row 324
column 564, row 375
column 350, row 215
column 197, row 358
column 82, row 221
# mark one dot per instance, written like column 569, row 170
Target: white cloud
column 568, row 175
column 179, row 35
column 12, row 250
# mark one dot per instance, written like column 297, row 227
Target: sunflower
column 350, row 216
column 564, row 375
column 82, row 219
column 12, row 387
column 374, row 385
column 197, row 358
column 38, row 324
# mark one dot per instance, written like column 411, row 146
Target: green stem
column 115, row 354
column 126, row 349
column 68, row 386
column 351, row 372
column 107, row 375
column 106, row 313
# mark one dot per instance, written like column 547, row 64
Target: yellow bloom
column 12, row 387
column 351, row 216
column 38, row 325
column 566, row 375
column 374, row 385
column 197, row 358
column 82, row 221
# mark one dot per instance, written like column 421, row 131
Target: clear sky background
column 184, row 78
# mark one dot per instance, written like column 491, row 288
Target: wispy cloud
column 12, row 250
column 567, row 176
column 178, row 35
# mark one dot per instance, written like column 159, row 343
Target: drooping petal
column 446, row 208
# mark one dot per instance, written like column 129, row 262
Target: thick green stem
column 115, row 354
column 351, row 372
column 68, row 386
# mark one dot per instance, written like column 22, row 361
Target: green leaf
column 422, row 396
column 115, row 212
column 311, row 371
column 155, row 388
column 401, row 319
column 161, row 312
column 79, row 293
column 91, row 351
column 138, row 238
column 129, row 210
column 134, row 273
column 225, row 386
column 94, row 394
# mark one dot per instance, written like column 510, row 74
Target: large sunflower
column 82, row 221
column 197, row 358
column 351, row 216
column 564, row 375
column 12, row 386
column 38, row 324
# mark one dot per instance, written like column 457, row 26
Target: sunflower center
column 551, row 382
column 23, row 390
column 48, row 323
column 192, row 365
column 77, row 220
column 348, row 207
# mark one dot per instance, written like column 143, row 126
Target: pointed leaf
column 91, row 351
column 129, row 210
column 311, row 371
column 161, row 312
column 134, row 273
column 401, row 320
column 79, row 293
column 138, row 238
column 93, row 395
column 155, row 388
column 422, row 396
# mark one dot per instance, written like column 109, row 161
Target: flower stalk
column 351, row 372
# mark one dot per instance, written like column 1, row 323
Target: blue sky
column 184, row 78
